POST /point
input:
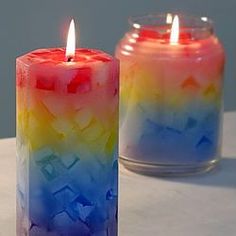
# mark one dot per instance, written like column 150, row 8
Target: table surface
column 201, row 205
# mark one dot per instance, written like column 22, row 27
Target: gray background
column 31, row 24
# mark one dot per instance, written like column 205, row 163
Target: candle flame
column 136, row 26
column 204, row 18
column 169, row 18
column 174, row 35
column 70, row 47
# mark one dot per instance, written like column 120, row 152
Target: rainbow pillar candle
column 170, row 95
column 67, row 133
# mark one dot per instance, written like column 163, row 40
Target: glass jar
column 170, row 96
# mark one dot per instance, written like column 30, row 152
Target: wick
column 69, row 59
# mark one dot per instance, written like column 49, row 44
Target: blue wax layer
column 70, row 197
column 189, row 140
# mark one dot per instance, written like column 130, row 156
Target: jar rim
column 188, row 23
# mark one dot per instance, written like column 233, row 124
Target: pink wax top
column 151, row 40
column 50, row 70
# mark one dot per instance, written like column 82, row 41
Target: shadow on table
column 223, row 176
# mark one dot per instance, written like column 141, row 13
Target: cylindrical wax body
column 67, row 132
column 171, row 95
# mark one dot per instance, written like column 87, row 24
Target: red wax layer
column 163, row 34
column 49, row 70
column 57, row 55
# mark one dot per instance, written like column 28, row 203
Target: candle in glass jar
column 170, row 95
column 67, row 126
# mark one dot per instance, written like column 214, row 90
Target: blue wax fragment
column 173, row 130
column 62, row 219
column 64, row 225
column 59, row 166
column 81, row 211
column 204, row 142
column 69, row 161
column 110, row 195
column 51, row 166
column 33, row 225
column 152, row 127
column 191, row 123
column 97, row 220
column 83, row 201
column 49, row 171
column 80, row 208
column 85, row 211
column 64, row 196
column 46, row 159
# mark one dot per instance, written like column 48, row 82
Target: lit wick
column 70, row 47
column 69, row 59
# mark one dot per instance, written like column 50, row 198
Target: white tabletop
column 203, row 205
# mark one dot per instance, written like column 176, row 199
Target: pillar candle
column 67, row 115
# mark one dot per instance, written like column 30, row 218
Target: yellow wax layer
column 74, row 124
column 172, row 87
